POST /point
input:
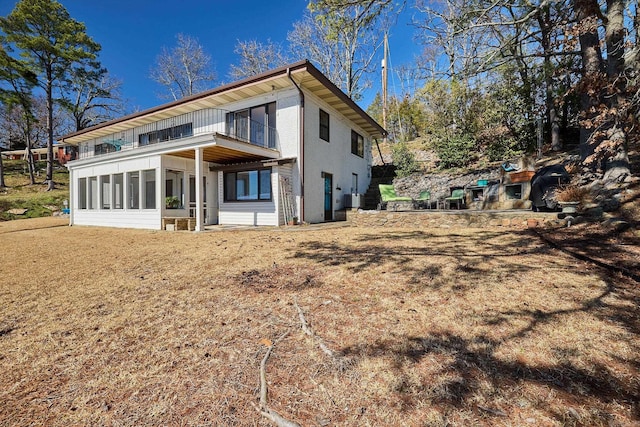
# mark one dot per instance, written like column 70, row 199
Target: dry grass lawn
column 463, row 327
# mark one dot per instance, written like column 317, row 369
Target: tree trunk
column 30, row 162
column 592, row 72
column 2, row 184
column 617, row 163
column 551, row 110
column 49, row 90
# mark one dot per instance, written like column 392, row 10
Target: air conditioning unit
column 354, row 201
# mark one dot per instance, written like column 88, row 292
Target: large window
column 175, row 132
column 93, row 192
column 324, row 125
column 133, row 197
column 105, row 191
column 118, row 191
column 357, row 144
column 247, row 185
column 255, row 125
column 149, row 188
column 82, row 193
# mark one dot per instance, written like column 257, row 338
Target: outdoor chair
column 424, row 199
column 388, row 194
column 457, row 197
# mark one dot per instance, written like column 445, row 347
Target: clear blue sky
column 132, row 33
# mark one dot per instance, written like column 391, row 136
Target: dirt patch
column 439, row 327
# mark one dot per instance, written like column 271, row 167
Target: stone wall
column 445, row 219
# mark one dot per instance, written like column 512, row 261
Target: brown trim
column 343, row 97
column 249, row 165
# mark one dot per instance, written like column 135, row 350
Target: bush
column 455, row 150
column 404, row 160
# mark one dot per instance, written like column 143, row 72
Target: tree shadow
column 474, row 360
column 470, row 362
column 398, row 250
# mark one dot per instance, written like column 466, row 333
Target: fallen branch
column 309, row 331
column 274, row 417
column 264, row 410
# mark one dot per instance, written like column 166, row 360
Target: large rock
column 18, row 211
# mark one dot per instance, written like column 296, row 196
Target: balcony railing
column 201, row 122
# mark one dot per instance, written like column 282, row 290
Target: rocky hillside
column 620, row 199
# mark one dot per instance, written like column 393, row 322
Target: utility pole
column 384, row 84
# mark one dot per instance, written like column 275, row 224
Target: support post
column 199, row 203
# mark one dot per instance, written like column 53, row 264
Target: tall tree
column 183, row 70
column 256, row 58
column 51, row 42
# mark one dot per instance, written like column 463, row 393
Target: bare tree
column 91, row 96
column 183, row 70
column 342, row 41
column 256, row 58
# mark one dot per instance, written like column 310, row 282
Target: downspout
column 301, row 139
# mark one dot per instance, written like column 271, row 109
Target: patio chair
column 424, row 199
column 457, row 197
column 388, row 194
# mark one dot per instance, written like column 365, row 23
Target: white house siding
column 127, row 218
column 247, row 213
column 287, row 125
column 332, row 157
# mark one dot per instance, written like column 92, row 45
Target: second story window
column 324, row 125
column 256, row 125
column 357, row 144
column 162, row 135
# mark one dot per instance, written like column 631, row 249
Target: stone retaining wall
column 463, row 218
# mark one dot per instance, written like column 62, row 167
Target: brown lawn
column 492, row 327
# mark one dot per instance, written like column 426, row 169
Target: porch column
column 72, row 196
column 199, row 203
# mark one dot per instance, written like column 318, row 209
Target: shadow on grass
column 470, row 363
column 473, row 361
column 399, row 250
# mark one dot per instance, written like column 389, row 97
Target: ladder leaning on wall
column 286, row 199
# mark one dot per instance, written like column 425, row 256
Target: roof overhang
column 307, row 76
column 216, row 149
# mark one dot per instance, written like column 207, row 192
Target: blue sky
column 132, row 33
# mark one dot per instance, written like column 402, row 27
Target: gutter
column 301, row 139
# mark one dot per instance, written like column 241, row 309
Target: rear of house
column 287, row 143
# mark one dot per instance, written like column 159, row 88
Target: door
column 328, row 197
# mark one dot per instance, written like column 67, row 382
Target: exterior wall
column 126, row 218
column 287, row 125
column 332, row 157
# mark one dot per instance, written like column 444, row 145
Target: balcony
column 210, row 121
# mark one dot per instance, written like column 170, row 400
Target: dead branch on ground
column 263, row 409
column 307, row 330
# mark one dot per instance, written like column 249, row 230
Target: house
column 286, row 143
column 61, row 152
